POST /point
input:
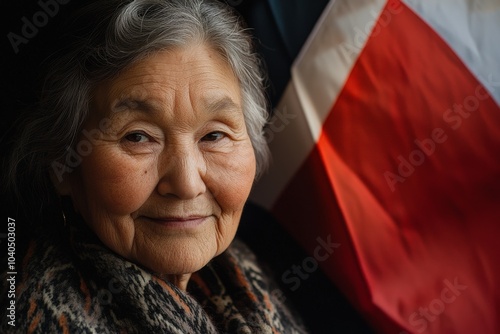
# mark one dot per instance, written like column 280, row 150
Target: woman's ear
column 61, row 183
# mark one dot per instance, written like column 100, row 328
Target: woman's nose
column 181, row 173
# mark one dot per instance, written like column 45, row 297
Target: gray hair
column 106, row 37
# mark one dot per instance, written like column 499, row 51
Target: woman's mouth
column 179, row 222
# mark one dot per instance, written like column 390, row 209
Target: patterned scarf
column 76, row 285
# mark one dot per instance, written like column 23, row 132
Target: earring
column 64, row 218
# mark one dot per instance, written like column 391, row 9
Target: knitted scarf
column 74, row 284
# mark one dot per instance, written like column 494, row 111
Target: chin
column 179, row 264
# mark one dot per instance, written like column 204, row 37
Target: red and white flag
column 387, row 142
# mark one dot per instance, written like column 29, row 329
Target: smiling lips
column 180, row 222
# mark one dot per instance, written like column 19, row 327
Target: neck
column 180, row 281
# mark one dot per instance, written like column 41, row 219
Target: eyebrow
column 211, row 106
column 223, row 104
column 134, row 105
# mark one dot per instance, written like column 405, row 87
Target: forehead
column 196, row 73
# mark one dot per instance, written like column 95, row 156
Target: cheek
column 119, row 183
column 232, row 180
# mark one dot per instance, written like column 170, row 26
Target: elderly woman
column 149, row 131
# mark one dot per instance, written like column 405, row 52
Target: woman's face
column 165, row 183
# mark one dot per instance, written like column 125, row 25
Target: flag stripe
column 470, row 27
column 319, row 82
column 313, row 87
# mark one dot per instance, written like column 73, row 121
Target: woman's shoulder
column 42, row 280
column 45, row 260
column 40, row 262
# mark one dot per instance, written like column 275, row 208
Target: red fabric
column 407, row 234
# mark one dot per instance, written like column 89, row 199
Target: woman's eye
column 137, row 137
column 213, row 136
